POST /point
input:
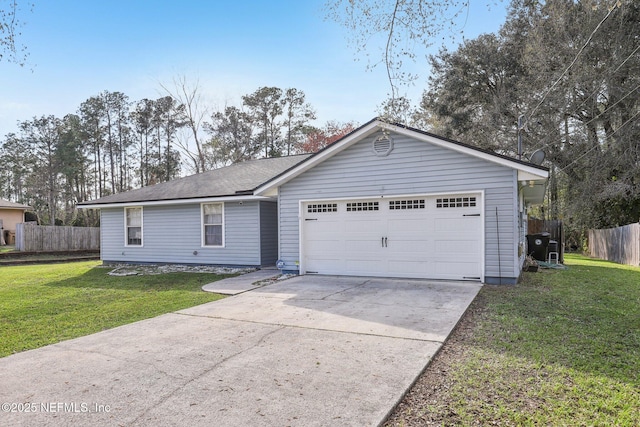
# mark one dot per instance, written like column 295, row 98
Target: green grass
column 45, row 304
column 561, row 348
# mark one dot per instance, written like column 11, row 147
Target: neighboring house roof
column 5, row 204
column 231, row 181
column 527, row 172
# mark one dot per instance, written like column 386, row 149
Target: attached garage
column 392, row 201
column 426, row 236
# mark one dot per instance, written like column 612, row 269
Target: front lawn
column 562, row 348
column 45, row 304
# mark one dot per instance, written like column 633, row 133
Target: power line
column 628, row 57
column 587, row 98
column 614, row 7
column 596, row 146
column 599, row 115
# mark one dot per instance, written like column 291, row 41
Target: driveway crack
column 358, row 285
column 206, row 371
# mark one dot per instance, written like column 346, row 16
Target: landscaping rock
column 151, row 269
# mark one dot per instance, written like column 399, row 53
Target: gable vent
column 382, row 145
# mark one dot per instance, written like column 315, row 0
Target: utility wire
column 628, row 57
column 597, row 145
column 587, row 98
column 599, row 115
column 614, row 7
column 598, row 89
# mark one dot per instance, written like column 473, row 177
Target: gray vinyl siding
column 413, row 167
column 268, row 233
column 172, row 233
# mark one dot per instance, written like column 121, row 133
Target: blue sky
column 79, row 48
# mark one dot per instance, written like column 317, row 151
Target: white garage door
column 437, row 237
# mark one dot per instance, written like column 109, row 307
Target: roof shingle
column 239, row 178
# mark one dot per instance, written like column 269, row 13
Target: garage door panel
column 363, row 225
column 320, row 264
column 405, row 268
column 362, row 245
column 410, row 246
column 460, row 224
column 458, row 247
column 321, row 246
column 318, row 228
column 456, row 269
column 363, row 266
column 410, row 225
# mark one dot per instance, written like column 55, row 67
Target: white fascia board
column 528, row 176
column 175, row 202
column 538, row 173
column 270, row 188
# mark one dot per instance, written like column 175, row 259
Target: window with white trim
column 212, row 224
column 133, row 226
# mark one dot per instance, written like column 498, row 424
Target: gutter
column 173, row 201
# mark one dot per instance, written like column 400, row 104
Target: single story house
column 11, row 214
column 386, row 200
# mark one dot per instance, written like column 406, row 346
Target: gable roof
column 239, row 179
column 5, row 204
column 526, row 171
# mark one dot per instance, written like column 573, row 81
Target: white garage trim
column 405, row 258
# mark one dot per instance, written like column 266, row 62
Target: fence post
column 636, row 228
column 20, row 236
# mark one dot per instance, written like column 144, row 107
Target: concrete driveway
column 308, row 351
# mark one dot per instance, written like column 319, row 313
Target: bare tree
column 10, row 24
column 195, row 112
column 402, row 30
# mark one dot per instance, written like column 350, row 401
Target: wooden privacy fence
column 41, row 238
column 621, row 245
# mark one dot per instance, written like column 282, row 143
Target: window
column 406, row 204
column 133, row 226
column 362, row 206
column 456, row 202
column 322, row 207
column 212, row 224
